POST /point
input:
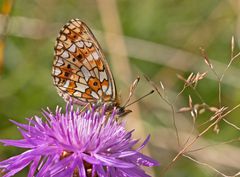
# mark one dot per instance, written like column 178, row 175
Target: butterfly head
column 120, row 110
column 123, row 112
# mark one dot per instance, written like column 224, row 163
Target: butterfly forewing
column 80, row 70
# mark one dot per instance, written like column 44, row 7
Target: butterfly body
column 80, row 71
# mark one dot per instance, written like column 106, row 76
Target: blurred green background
column 154, row 38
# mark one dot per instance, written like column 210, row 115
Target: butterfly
column 80, row 71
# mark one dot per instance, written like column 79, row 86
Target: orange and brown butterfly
column 80, row 71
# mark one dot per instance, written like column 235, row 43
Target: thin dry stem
column 165, row 99
column 231, row 124
column 222, row 76
column 228, row 66
column 217, row 111
column 185, row 148
column 211, row 167
column 216, row 144
column 192, row 130
column 207, row 61
column 183, row 89
column 191, row 82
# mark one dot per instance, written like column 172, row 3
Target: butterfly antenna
column 132, row 89
column 149, row 93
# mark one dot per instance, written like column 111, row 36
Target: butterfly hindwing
column 80, row 70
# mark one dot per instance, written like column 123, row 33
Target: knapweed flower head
column 85, row 143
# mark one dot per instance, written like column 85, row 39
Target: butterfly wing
column 80, row 70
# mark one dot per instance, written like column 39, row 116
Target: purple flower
column 89, row 143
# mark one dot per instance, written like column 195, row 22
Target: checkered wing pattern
column 80, row 70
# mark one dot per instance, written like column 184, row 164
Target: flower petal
column 109, row 161
column 141, row 159
column 81, row 169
